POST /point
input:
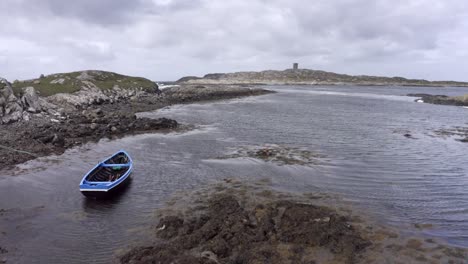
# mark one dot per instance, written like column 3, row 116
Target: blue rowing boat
column 107, row 177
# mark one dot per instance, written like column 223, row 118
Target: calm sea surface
column 359, row 129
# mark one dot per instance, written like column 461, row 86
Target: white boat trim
column 93, row 190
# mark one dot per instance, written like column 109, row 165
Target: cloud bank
column 168, row 39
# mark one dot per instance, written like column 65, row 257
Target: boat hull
column 108, row 193
column 108, row 177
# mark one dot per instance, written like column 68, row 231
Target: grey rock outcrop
column 441, row 99
column 30, row 100
column 14, row 108
column 93, row 95
column 55, row 96
column 11, row 109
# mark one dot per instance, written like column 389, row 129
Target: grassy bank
column 74, row 81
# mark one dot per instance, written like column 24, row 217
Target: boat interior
column 119, row 158
column 111, row 170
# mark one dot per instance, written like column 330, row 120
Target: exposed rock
column 13, row 117
column 11, row 109
column 92, row 123
column 280, row 155
column 188, row 78
column 459, row 133
column 26, row 116
column 93, row 126
column 58, row 81
column 81, row 89
column 229, row 231
column 441, row 99
column 93, row 95
column 15, row 108
column 86, row 96
column 30, row 100
column 188, row 93
column 84, row 76
column 236, row 223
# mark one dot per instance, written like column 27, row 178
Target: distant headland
column 297, row 76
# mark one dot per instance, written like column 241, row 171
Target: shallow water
column 359, row 129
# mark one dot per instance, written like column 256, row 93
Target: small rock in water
column 266, row 152
column 280, row 155
column 113, row 129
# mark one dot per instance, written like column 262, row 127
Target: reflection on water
column 404, row 181
column 105, row 204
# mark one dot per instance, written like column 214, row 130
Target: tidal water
column 402, row 181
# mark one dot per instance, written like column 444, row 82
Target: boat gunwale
column 105, row 186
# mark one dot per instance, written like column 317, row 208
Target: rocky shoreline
column 441, row 99
column 235, row 222
column 45, row 134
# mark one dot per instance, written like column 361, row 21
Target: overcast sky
column 168, row 39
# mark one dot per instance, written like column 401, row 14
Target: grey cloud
column 101, row 11
column 166, row 39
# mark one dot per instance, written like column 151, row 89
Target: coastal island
column 297, row 76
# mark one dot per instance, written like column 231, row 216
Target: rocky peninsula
column 317, row 77
column 50, row 114
column 441, row 99
column 309, row 77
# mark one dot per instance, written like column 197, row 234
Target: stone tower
column 295, row 66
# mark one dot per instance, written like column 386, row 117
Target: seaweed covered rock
column 441, row 99
column 228, row 231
